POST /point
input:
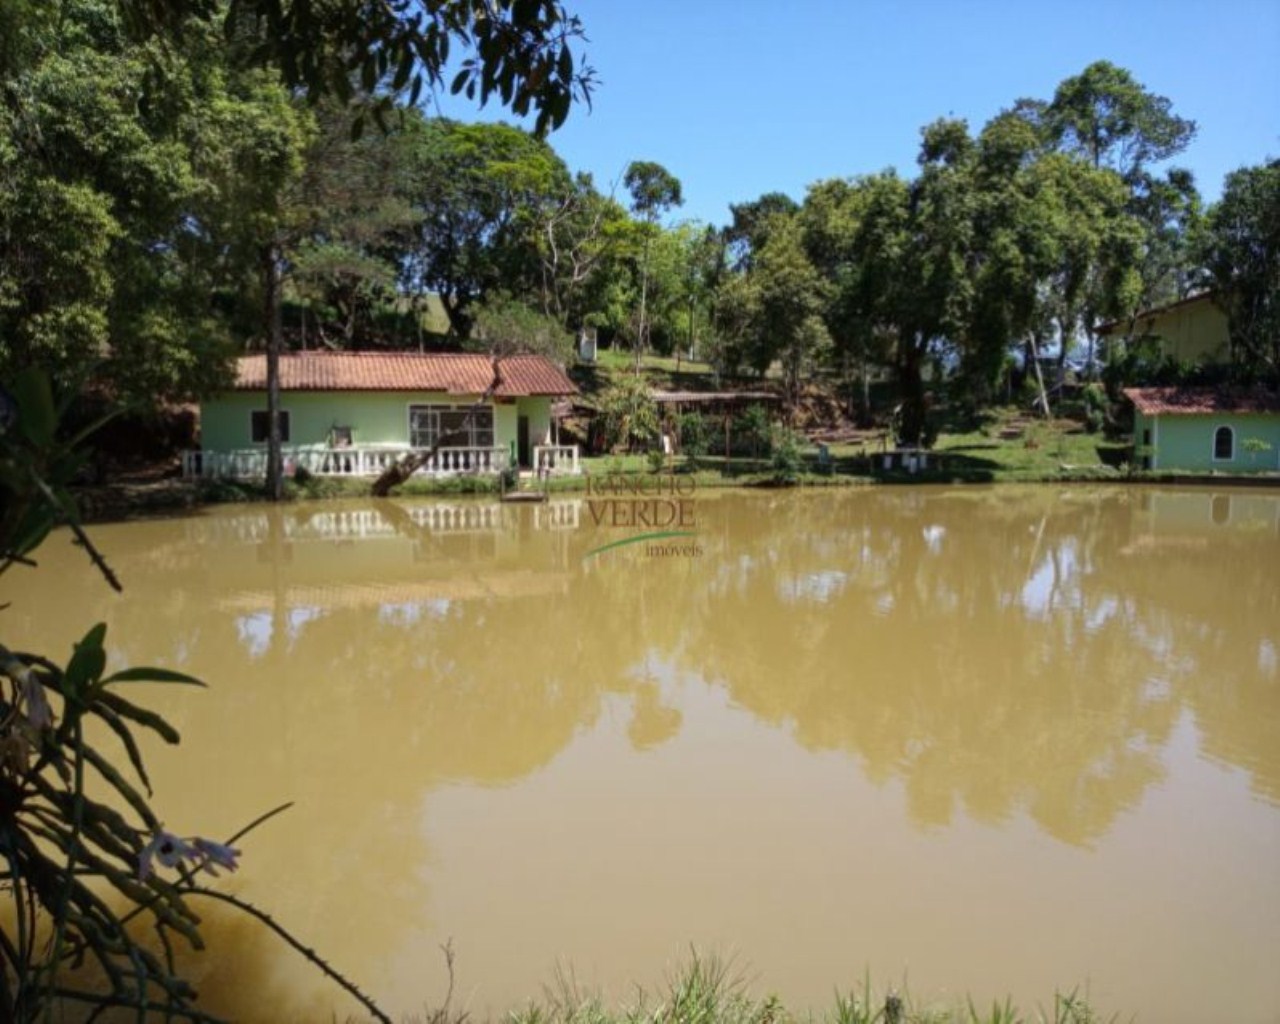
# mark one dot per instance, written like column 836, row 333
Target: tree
column 629, row 413
column 1114, row 121
column 748, row 231
column 518, row 50
column 927, row 272
column 349, row 210
column 480, row 192
column 654, row 191
column 1242, row 252
column 504, row 326
column 106, row 266
column 775, row 308
column 580, row 236
column 832, row 216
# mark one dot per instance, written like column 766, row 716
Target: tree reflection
column 998, row 653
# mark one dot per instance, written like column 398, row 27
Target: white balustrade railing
column 557, row 515
column 556, row 459
column 251, row 463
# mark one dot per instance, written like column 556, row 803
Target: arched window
column 1224, row 444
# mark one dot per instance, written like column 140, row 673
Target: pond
column 992, row 740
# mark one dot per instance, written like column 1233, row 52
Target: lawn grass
column 710, row 990
column 617, row 359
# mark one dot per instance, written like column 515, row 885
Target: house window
column 454, row 425
column 259, row 429
column 1224, row 444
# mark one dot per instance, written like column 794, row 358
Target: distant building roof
column 1188, row 401
column 1154, row 311
column 461, row 373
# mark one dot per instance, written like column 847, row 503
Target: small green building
column 1206, row 429
column 353, row 413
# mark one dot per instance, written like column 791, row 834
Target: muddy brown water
column 999, row 741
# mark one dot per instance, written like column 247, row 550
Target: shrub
column 786, row 458
column 752, row 429
column 629, row 413
column 693, row 436
column 1095, row 407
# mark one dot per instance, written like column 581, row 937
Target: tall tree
column 351, row 212
column 1242, row 252
column 106, row 263
column 654, row 190
column 479, row 192
column 1114, row 121
column 748, row 230
column 580, row 237
column 933, row 292
column 777, row 306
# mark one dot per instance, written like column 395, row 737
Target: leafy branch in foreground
column 78, row 869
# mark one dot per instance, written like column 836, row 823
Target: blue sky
column 741, row 98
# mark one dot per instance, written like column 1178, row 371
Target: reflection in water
column 921, row 727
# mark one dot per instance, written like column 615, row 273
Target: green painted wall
column 539, row 412
column 1186, row 442
column 375, row 417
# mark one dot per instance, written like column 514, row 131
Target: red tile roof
column 1190, row 401
column 462, row 373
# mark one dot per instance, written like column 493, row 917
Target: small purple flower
column 166, row 848
column 39, row 714
column 218, row 854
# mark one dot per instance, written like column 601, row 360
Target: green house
column 354, row 413
column 1206, row 429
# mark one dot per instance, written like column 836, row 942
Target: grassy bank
column 1004, row 449
column 709, row 991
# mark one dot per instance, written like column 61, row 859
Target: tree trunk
column 400, row 471
column 1035, row 361
column 644, row 294
column 864, row 418
column 272, row 327
column 911, row 386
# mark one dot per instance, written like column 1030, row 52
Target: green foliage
column 1242, row 251
column 481, row 195
column 656, row 459
column 711, row 990
column 504, row 325
column 106, row 258
column 82, row 850
column 786, row 455
column 753, row 429
column 774, row 310
column 520, row 52
column 1095, row 407
column 694, row 436
column 1255, row 446
column 629, row 413
column 1112, row 120
column 654, row 190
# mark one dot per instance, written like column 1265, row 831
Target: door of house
column 522, row 441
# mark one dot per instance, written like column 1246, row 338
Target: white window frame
column 436, row 408
column 1214, row 441
column 286, row 424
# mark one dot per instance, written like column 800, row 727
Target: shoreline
column 115, row 503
